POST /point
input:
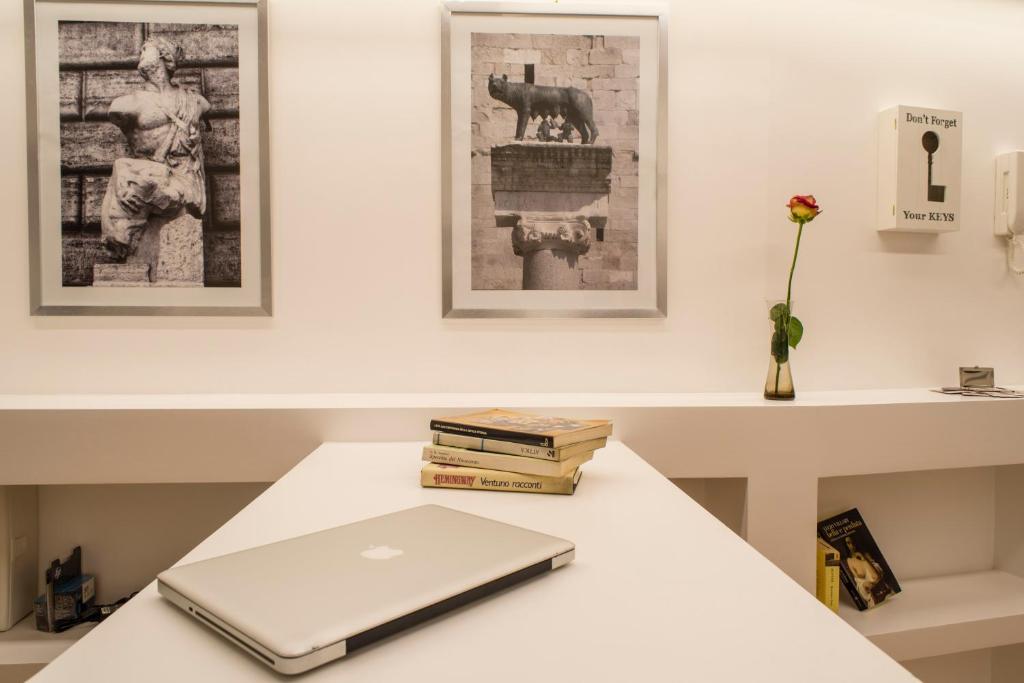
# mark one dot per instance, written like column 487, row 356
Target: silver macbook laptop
column 300, row 603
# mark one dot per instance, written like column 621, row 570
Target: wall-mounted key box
column 919, row 165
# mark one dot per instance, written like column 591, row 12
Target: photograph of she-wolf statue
column 554, row 204
column 530, row 101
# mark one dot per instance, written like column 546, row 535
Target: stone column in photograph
column 554, row 196
column 152, row 212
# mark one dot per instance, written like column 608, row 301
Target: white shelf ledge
column 23, row 644
column 947, row 614
column 343, row 401
column 192, row 438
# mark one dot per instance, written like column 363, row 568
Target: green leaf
column 780, row 346
column 796, row 331
column 778, row 312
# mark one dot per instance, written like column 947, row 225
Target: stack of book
column 502, row 450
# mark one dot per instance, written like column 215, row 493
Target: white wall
column 766, row 100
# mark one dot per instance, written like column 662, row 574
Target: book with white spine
column 477, row 443
column 449, row 455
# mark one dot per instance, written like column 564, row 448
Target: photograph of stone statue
column 149, row 154
column 555, row 151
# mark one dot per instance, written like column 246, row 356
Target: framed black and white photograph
column 148, row 173
column 554, row 131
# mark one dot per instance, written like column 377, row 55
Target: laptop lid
column 301, row 596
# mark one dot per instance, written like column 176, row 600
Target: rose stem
column 789, row 291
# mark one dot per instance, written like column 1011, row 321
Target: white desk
column 660, row 590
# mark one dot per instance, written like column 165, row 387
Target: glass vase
column 778, row 385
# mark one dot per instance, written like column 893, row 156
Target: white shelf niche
column 955, row 541
column 115, row 526
column 23, row 644
column 990, row 665
column 945, row 614
column 723, row 497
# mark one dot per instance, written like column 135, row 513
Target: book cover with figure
column 868, row 579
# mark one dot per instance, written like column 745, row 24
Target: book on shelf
column 477, row 443
column 827, row 575
column 533, row 430
column 865, row 574
column 435, row 475
column 448, row 455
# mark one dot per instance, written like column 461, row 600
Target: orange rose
column 803, row 208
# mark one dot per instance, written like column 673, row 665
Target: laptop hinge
column 395, row 625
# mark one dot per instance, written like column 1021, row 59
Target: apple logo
column 381, row 552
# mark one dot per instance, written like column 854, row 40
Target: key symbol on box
column 930, row 142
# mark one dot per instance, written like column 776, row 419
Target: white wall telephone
column 1009, row 208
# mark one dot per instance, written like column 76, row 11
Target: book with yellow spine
column 435, row 475
column 447, row 455
column 827, row 575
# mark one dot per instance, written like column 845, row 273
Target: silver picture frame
column 259, row 299
column 658, row 304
